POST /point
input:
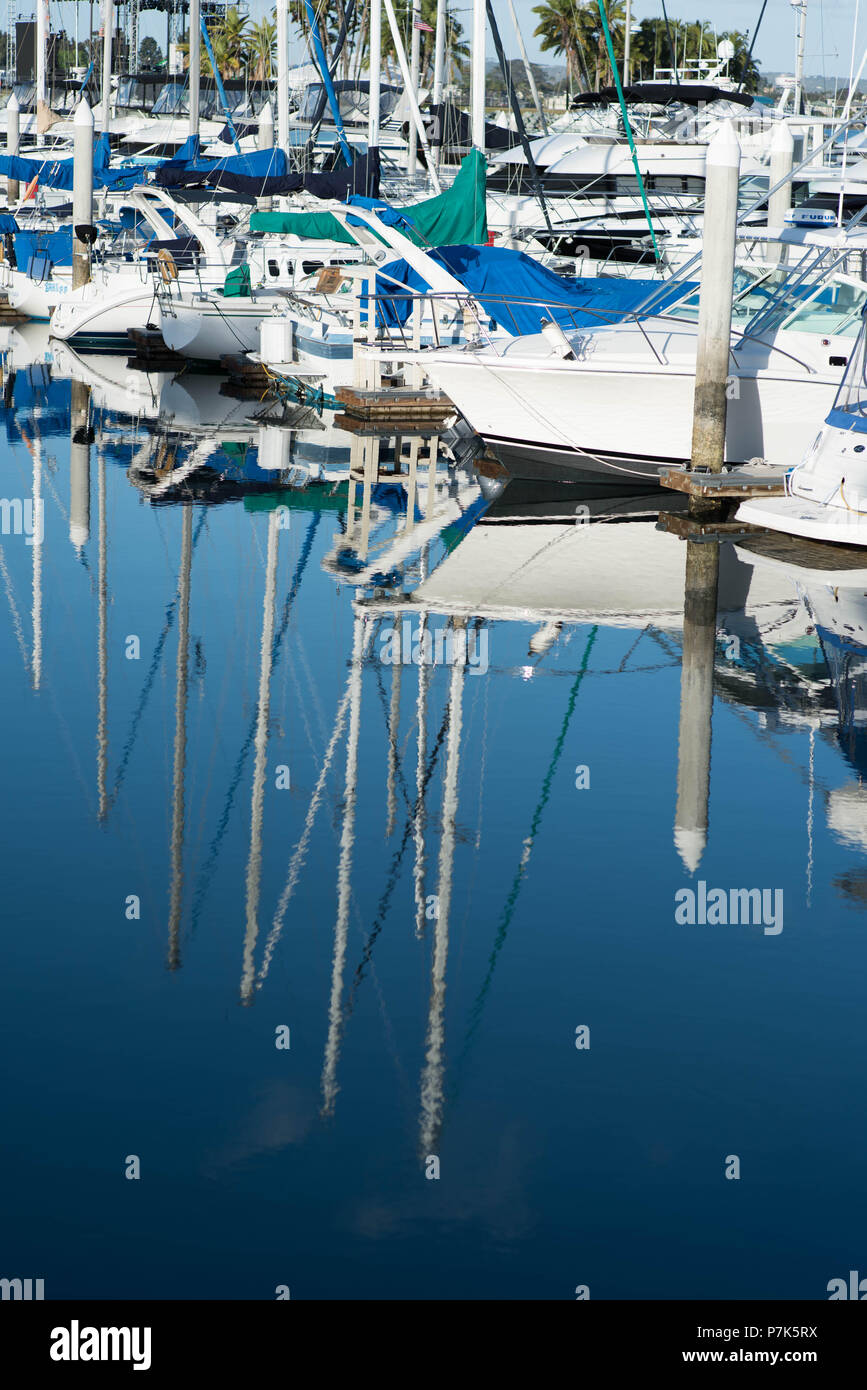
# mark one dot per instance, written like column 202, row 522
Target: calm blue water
column 289, row 860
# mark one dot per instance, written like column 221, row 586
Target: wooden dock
column 401, row 410
column 733, row 483
column 150, row 353
column 246, row 380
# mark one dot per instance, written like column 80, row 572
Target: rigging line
column 748, row 58
column 670, row 44
column 620, row 97
column 512, row 899
column 222, row 826
column 394, row 871
column 149, row 681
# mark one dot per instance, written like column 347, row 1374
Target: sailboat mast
column 414, row 69
column 41, row 52
column 375, row 71
column 107, row 26
column 477, row 103
column 801, row 6
column 195, row 63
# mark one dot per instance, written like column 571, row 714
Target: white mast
column 195, row 64
column 107, row 26
column 528, row 69
column 41, row 51
column 375, row 69
column 283, row 74
column 477, row 103
column 439, row 52
column 414, row 69
column 801, row 7
column 410, row 94
column 627, row 34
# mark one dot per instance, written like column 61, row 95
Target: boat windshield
column 172, row 100
column 831, row 308
column 850, row 404
column 751, row 293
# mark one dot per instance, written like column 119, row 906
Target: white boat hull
column 208, row 327
column 623, row 419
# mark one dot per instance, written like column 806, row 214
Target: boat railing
column 399, row 319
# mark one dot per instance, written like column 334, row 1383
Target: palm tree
column 574, row 28
column 455, row 48
column 260, row 50
column 228, row 41
column 232, row 37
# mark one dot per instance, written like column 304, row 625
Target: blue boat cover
column 57, row 246
column 503, row 281
column 57, row 173
column 265, row 173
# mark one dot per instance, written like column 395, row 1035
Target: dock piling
column 715, row 304
column 13, row 138
column 82, row 190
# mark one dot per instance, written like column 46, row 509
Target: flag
column 425, row 28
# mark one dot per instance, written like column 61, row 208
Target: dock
column 732, row 483
column 150, row 353
column 400, row 410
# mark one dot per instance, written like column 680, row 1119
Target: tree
column 150, row 55
column 260, row 51
column 455, row 49
column 575, row 30
column 228, row 41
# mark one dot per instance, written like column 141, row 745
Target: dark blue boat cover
column 502, row 281
column 57, row 173
column 267, row 173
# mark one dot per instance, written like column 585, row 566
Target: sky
column 829, row 27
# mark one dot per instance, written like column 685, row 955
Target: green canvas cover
column 237, row 283
column 456, row 217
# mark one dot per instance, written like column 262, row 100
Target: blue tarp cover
column 492, row 274
column 264, row 173
column 56, row 245
column 57, row 173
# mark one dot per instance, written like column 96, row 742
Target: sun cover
column 455, row 217
column 267, row 173
column 58, row 173
column 518, row 293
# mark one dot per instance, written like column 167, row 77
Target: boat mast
column 528, row 68
column 477, row 103
column 195, row 64
column 414, row 70
column 801, row 7
column 41, row 52
column 375, row 70
column 283, row 74
column 107, row 24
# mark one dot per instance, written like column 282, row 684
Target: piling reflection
column 701, row 589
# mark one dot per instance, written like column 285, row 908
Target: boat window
column 273, row 268
column 751, row 293
column 171, row 101
column 834, row 310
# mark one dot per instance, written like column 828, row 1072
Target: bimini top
column 662, row 94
